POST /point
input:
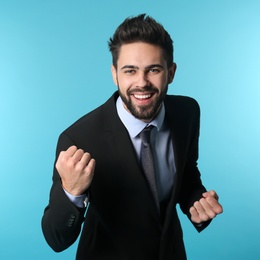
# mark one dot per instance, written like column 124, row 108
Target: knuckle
column 212, row 214
column 80, row 151
column 210, row 200
column 57, row 166
column 194, row 213
column 62, row 159
column 70, row 164
column 204, row 217
column 87, row 156
column 72, row 148
column 218, row 209
column 61, row 153
column 202, row 201
column 196, row 204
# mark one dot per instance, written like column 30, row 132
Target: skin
column 76, row 169
column 206, row 208
column 142, row 78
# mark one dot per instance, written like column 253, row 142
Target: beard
column 146, row 112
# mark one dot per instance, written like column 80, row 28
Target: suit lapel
column 122, row 150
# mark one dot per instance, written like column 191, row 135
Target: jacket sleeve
column 192, row 188
column 61, row 221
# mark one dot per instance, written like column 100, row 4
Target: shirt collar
column 134, row 125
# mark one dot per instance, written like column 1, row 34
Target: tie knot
column 146, row 133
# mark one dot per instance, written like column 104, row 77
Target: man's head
column 142, row 65
column 141, row 28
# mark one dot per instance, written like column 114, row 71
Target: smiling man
column 121, row 169
column 142, row 78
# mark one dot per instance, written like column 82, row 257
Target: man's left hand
column 206, row 208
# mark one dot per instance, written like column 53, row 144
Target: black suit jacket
column 121, row 221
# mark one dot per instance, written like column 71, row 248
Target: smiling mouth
column 142, row 96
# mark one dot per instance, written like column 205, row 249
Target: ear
column 114, row 74
column 171, row 72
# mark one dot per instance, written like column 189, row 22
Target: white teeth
column 142, row 96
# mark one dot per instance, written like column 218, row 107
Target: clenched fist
column 76, row 169
column 206, row 208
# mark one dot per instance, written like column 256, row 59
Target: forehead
column 140, row 54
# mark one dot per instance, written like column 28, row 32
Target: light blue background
column 55, row 67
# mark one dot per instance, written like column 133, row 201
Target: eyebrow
column 147, row 67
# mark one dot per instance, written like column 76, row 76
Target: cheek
column 124, row 82
column 161, row 82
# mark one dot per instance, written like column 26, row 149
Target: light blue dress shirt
column 162, row 150
column 161, row 145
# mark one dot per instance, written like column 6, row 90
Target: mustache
column 142, row 90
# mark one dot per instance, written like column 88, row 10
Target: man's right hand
column 76, row 169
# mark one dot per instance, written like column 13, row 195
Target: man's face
column 142, row 77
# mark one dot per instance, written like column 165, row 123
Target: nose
column 142, row 79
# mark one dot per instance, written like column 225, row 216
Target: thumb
column 210, row 193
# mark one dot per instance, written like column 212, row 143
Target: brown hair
column 141, row 28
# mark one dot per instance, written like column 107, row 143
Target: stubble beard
column 147, row 112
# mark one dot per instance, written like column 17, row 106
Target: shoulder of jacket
column 94, row 117
column 178, row 101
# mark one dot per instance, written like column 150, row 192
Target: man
column 100, row 160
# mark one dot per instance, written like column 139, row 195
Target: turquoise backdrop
column 55, row 67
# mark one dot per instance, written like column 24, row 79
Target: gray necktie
column 148, row 162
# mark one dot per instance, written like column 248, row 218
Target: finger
column 208, row 209
column 71, row 150
column 194, row 215
column 89, row 172
column 77, row 156
column 215, row 205
column 84, row 160
column 69, row 159
column 212, row 198
column 91, row 166
column 201, row 211
column 65, row 155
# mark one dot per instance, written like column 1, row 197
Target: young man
column 102, row 160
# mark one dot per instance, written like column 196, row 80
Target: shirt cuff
column 80, row 201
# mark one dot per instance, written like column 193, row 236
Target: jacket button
column 71, row 220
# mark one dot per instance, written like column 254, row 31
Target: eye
column 154, row 70
column 130, row 71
